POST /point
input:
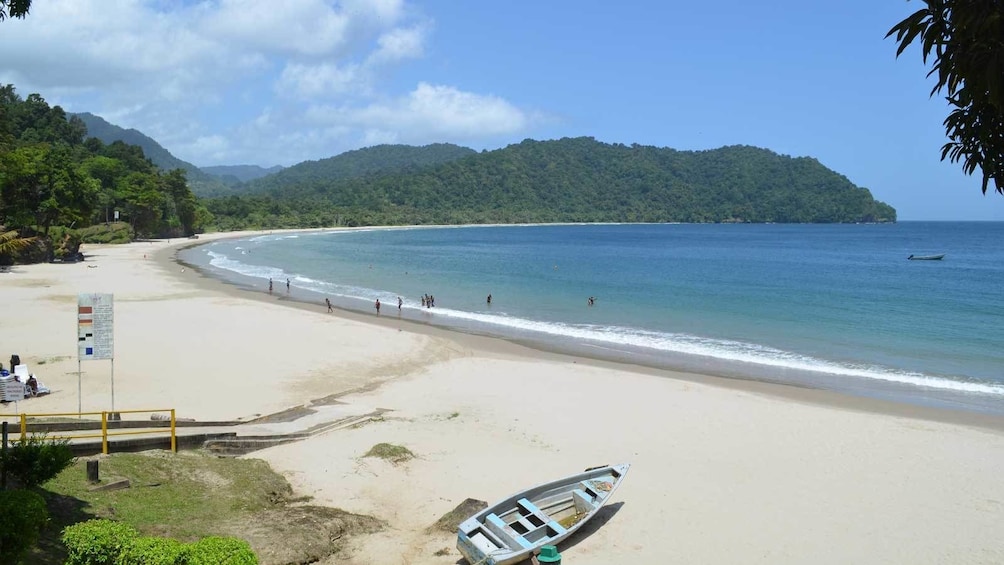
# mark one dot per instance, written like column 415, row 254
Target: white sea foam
column 718, row 349
column 622, row 338
column 221, row 261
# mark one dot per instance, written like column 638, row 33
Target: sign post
column 95, row 336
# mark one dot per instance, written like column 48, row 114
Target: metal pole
column 3, row 457
column 80, row 394
column 113, row 384
column 104, row 433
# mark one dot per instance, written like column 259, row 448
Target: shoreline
column 169, row 258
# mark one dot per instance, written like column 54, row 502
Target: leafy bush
column 216, row 550
column 115, row 232
column 97, row 542
column 36, row 459
column 65, row 242
column 154, row 551
column 22, row 515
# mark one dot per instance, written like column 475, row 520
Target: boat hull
column 513, row 529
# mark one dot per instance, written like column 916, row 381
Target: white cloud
column 444, row 110
column 399, row 44
column 325, row 79
column 305, row 27
column 246, row 81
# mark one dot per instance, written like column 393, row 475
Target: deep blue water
column 836, row 306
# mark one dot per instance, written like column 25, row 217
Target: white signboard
column 11, row 390
column 94, row 327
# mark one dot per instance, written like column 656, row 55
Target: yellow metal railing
column 105, row 433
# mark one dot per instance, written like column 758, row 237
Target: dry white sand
column 722, row 471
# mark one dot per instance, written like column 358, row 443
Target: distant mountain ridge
column 223, row 180
column 376, row 160
column 241, row 173
column 202, row 183
column 107, row 132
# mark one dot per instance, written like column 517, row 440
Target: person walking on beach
column 377, row 305
column 270, row 286
column 328, row 302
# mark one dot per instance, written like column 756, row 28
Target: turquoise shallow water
column 834, row 306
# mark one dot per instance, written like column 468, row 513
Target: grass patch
column 192, row 494
column 182, row 495
column 390, row 452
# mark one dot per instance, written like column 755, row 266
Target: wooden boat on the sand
column 512, row 530
column 926, row 257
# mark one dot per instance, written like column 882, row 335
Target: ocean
column 837, row 307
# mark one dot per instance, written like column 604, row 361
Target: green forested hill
column 380, row 159
column 201, row 182
column 567, row 180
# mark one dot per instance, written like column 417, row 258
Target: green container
column 549, row 554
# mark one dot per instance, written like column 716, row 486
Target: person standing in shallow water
column 270, row 286
column 489, row 299
column 399, row 302
column 377, row 305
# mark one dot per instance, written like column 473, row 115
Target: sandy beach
column 723, row 471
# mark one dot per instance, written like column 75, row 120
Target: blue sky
column 265, row 82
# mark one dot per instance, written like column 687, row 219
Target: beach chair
column 21, row 372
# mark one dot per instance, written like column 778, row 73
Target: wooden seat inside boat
column 505, row 532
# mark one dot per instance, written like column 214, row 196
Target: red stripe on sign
column 84, row 310
column 86, row 322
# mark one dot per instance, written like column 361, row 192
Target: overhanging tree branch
column 14, row 9
column 965, row 38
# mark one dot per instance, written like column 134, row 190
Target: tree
column 966, row 38
column 14, row 8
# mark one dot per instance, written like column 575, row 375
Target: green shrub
column 22, row 515
column 65, row 242
column 97, row 542
column 154, row 551
column 216, row 550
column 35, row 459
column 115, row 232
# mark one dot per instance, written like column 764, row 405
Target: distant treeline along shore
column 62, row 172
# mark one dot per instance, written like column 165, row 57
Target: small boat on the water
column 512, row 530
column 926, row 257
